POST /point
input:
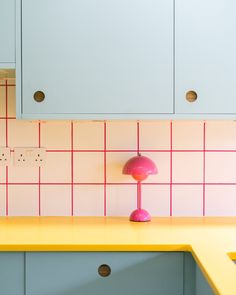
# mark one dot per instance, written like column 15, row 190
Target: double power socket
column 23, row 157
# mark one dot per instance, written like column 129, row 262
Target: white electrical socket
column 5, row 156
column 29, row 157
column 38, row 157
column 22, row 157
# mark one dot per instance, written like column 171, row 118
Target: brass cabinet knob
column 191, row 96
column 39, row 96
column 104, row 270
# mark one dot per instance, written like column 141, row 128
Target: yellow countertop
column 212, row 241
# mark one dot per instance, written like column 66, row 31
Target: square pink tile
column 220, row 167
column 11, row 101
column 57, row 168
column 187, row 200
column 2, row 101
column 2, row 132
column 23, row 200
column 220, row 135
column 154, row 135
column 121, row 200
column 187, row 167
column 23, row 133
column 115, row 163
column 56, row 135
column 2, row 200
column 88, row 167
column 55, row 200
column 23, row 174
column 88, row 200
column 220, row 200
column 187, row 135
column 121, row 135
column 162, row 161
column 156, row 199
column 88, row 135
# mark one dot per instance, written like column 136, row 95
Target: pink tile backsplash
column 23, row 200
column 82, row 175
column 88, row 200
column 160, row 130
column 2, row 199
column 2, row 130
column 121, row 199
column 156, row 199
column 187, row 200
column 183, row 138
column 54, row 140
column 187, row 167
column 55, row 201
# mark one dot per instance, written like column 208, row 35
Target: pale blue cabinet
column 89, row 273
column 194, row 281
column 12, row 273
column 132, row 273
column 102, row 59
column 205, row 55
column 7, row 33
column 95, row 58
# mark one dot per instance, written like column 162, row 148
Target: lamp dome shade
column 140, row 167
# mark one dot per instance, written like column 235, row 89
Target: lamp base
column 140, row 215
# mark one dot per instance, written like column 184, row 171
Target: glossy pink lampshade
column 140, row 167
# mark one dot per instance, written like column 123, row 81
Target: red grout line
column 119, row 183
column 37, row 183
column 39, row 171
column 105, row 170
column 171, row 170
column 136, row 151
column 39, row 134
column 7, row 174
column 7, row 192
column 8, row 118
column 6, row 97
column 204, row 170
column 220, row 151
column 72, row 168
column 2, row 85
column 39, row 191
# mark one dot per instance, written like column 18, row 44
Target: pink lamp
column 139, row 167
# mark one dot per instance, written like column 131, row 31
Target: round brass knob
column 191, row 96
column 104, row 270
column 39, row 96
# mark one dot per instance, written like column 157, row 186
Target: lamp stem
column 139, row 195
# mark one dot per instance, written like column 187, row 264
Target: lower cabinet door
column 194, row 280
column 116, row 273
column 12, row 273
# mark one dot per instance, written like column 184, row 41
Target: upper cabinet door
column 7, row 31
column 205, row 56
column 97, row 57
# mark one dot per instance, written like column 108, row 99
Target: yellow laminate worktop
column 210, row 240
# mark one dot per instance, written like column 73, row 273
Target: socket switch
column 29, row 157
column 5, row 156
